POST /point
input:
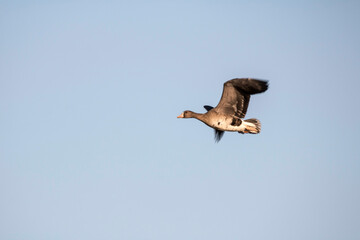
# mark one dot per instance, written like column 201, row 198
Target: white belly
column 225, row 125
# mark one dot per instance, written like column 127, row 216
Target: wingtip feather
column 218, row 135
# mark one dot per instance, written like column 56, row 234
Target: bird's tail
column 252, row 126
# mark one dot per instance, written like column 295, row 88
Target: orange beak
column 180, row 116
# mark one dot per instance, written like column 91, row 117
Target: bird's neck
column 199, row 116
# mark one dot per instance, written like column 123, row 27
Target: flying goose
column 229, row 113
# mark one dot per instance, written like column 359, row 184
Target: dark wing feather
column 236, row 95
column 208, row 108
column 218, row 135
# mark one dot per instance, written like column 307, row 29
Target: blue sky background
column 91, row 148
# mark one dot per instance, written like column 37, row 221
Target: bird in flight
column 229, row 113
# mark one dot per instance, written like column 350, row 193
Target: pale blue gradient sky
column 91, row 148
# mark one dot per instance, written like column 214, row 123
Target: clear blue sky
column 90, row 146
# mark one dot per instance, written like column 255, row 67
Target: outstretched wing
column 236, row 95
column 218, row 135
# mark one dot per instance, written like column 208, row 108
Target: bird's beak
column 181, row 115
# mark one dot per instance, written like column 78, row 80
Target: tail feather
column 252, row 125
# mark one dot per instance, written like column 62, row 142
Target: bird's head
column 186, row 114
